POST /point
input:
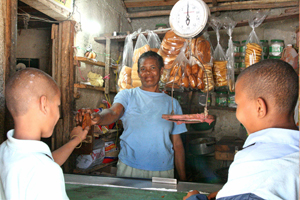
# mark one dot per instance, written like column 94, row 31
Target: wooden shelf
column 221, row 108
column 119, row 38
column 84, row 86
column 92, row 62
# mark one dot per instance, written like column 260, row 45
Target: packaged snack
column 169, row 50
column 220, row 62
column 141, row 47
column 229, row 25
column 254, row 51
column 124, row 81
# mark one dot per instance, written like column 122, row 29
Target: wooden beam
column 142, row 3
column 247, row 5
column 49, row 8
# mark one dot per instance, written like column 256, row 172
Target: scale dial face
column 189, row 17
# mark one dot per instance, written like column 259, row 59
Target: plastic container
column 290, row 56
column 221, row 99
column 265, row 46
column 276, row 47
column 243, row 48
column 231, row 100
column 236, row 47
column 202, row 99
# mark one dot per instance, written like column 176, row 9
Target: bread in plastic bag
column 220, row 62
column 254, row 49
column 124, row 81
column 229, row 25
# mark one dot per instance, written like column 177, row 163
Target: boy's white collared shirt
column 28, row 171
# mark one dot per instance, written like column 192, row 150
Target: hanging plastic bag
column 169, row 50
column 141, row 47
column 253, row 46
column 177, row 72
column 153, row 41
column 220, row 62
column 125, row 81
column 229, row 25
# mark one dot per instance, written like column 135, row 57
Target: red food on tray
column 189, row 119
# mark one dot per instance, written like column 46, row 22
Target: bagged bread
column 220, row 62
column 141, row 47
column 169, row 50
column 254, row 51
column 229, row 25
column 124, row 81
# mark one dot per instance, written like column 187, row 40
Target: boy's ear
column 43, row 104
column 261, row 107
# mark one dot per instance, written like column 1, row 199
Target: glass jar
column 231, row 100
column 202, row 99
column 265, row 46
column 276, row 47
column 236, row 47
column 243, row 48
column 221, row 99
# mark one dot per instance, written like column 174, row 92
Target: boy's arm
column 106, row 117
column 62, row 154
column 179, row 156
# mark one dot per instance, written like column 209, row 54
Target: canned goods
column 221, row 99
column 231, row 100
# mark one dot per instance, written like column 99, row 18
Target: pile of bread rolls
column 169, row 50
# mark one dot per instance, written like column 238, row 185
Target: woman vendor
column 148, row 143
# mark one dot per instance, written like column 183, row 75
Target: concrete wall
column 108, row 16
column 35, row 43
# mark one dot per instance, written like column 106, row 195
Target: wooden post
column 63, row 73
column 107, row 64
column 8, row 41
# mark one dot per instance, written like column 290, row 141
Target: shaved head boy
column 28, row 169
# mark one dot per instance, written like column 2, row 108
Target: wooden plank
column 253, row 5
column 49, row 8
column 247, row 5
column 90, row 61
column 142, row 3
column 107, row 64
column 83, row 86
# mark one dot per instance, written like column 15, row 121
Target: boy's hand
column 190, row 194
column 213, row 195
column 94, row 116
column 80, row 132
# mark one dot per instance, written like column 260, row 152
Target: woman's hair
column 151, row 54
column 272, row 80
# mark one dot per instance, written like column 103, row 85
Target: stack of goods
column 220, row 63
column 169, row 50
column 253, row 54
column 220, row 73
column 124, row 81
column 208, row 80
column 253, row 48
column 141, row 47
